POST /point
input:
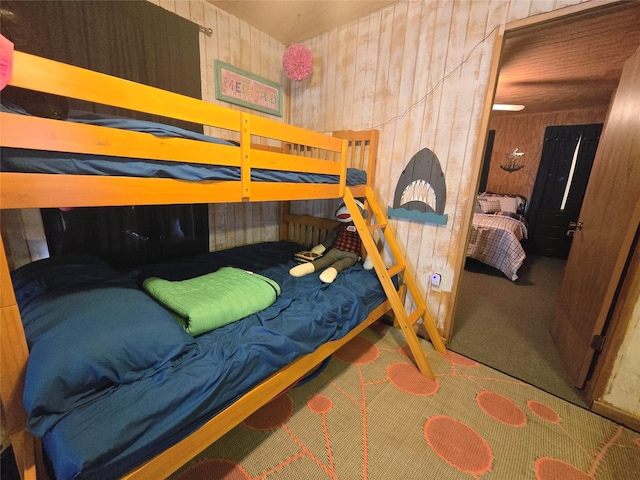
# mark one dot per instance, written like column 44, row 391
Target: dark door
column 565, row 165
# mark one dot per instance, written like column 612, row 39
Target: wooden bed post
column 13, row 358
column 363, row 150
column 285, row 210
column 245, row 156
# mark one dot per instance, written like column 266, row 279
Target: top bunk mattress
column 112, row 378
column 22, row 160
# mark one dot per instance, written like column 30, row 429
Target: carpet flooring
column 505, row 324
column 370, row 415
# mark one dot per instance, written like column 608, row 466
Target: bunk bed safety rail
column 262, row 141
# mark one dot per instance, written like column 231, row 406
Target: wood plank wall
column 418, row 71
column 236, row 42
column 526, row 133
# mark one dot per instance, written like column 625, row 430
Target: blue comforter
column 111, row 382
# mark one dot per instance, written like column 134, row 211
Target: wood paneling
column 24, row 238
column 548, row 64
column 569, row 63
column 418, row 71
column 236, row 42
column 294, row 21
column 526, row 133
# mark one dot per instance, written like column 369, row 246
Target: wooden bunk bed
column 260, row 146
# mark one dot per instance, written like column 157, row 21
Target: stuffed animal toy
column 340, row 249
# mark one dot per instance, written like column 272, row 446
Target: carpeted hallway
column 371, row 415
column 504, row 324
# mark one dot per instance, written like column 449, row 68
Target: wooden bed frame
column 264, row 144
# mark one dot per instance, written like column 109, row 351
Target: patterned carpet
column 370, row 415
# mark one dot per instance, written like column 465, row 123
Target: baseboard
column 617, row 415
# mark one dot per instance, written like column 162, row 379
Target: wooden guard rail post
column 14, row 360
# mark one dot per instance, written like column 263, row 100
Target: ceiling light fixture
column 506, row 107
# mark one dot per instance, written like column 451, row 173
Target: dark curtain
column 138, row 41
column 131, row 39
column 557, row 154
column 486, row 163
column 128, row 236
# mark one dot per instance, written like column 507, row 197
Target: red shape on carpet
column 501, row 408
column 458, row 444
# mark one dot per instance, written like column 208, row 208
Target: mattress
column 102, row 420
column 38, row 161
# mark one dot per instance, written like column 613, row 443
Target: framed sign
column 236, row 86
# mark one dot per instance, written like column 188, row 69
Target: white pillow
column 508, row 204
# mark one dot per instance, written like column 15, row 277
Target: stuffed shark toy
column 340, row 249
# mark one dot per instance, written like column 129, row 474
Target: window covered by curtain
column 141, row 42
column 128, row 236
column 131, row 39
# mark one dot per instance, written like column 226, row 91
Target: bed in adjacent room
column 498, row 229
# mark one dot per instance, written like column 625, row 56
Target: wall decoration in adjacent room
column 513, row 157
column 243, row 88
column 421, row 192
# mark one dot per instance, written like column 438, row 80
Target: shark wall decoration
column 421, row 192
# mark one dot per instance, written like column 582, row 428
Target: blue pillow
column 95, row 340
column 64, row 272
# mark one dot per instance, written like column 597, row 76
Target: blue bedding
column 38, row 161
column 111, row 381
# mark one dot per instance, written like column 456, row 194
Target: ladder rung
column 417, row 313
column 377, row 226
column 396, row 269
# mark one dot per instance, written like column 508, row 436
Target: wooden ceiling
column 570, row 63
column 293, row 21
column 561, row 65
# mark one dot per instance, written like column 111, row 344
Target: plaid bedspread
column 495, row 240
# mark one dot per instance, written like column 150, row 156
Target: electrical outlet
column 436, row 280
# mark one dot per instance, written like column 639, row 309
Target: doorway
column 528, row 275
column 506, row 324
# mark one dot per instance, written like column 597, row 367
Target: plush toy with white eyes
column 340, row 249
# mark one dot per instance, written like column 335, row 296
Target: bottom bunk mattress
column 113, row 379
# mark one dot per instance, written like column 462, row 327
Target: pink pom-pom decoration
column 297, row 62
column 6, row 61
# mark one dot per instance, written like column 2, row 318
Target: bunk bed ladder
column 405, row 320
